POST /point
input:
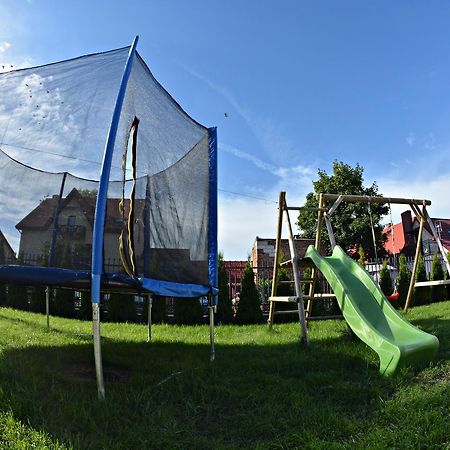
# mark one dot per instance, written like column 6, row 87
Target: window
column 71, row 221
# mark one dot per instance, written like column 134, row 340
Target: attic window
column 71, row 221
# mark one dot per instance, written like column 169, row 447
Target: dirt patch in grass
column 81, row 371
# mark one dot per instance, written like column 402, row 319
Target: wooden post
column 276, row 262
column 317, row 244
column 416, row 260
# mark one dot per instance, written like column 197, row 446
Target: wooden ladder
column 294, row 261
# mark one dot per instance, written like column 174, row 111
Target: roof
column 395, row 238
column 42, row 216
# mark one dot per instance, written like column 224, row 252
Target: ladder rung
column 291, row 311
column 286, row 282
column 316, row 296
column 285, row 263
column 305, row 208
column 287, row 299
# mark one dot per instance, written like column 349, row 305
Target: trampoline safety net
column 160, row 216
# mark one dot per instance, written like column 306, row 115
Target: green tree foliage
column 63, row 304
column 385, row 279
column 438, row 293
column 121, row 308
column 17, row 297
column 249, row 308
column 362, row 257
column 158, row 309
column 351, row 222
column 402, row 281
column 224, row 307
column 85, row 310
column 188, row 311
column 422, row 295
column 37, row 299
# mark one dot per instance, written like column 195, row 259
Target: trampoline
column 106, row 183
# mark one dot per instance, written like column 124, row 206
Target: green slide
column 370, row 315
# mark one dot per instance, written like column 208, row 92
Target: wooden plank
column 281, row 205
column 431, row 283
column 317, row 296
column 416, row 262
column 306, row 208
column 291, row 311
column 382, row 200
column 285, row 299
column 288, row 262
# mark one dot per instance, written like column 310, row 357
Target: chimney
column 407, row 221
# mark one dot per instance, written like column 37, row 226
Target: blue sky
column 302, row 83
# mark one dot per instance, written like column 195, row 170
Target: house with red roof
column 402, row 237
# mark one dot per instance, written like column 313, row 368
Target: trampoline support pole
column 211, row 309
column 149, row 331
column 47, row 305
column 98, row 351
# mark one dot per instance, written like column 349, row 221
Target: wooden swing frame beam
column 420, row 213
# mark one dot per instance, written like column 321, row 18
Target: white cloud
column 4, row 46
column 410, row 139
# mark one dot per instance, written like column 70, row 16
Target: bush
column 249, row 308
column 362, row 257
column 37, row 299
column 421, row 295
column 385, row 279
column 438, row 293
column 17, row 297
column 224, row 307
column 158, row 309
column 403, row 278
column 121, row 308
column 63, row 304
column 188, row 311
column 85, row 310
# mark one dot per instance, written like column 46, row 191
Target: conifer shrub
column 158, row 309
column 249, row 308
column 121, row 308
column 362, row 257
column 224, row 308
column 17, row 297
column 188, row 311
column 403, row 278
column 63, row 304
column 385, row 279
column 438, row 293
column 422, row 295
column 37, row 299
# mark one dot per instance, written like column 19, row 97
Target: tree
column 121, row 308
column 422, row 294
column 362, row 257
column 351, row 221
column 403, row 278
column 385, row 279
column 438, row 293
column 249, row 308
column 37, row 299
column 224, row 307
column 188, row 311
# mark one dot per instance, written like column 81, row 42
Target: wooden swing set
column 418, row 207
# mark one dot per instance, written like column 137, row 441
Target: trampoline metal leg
column 211, row 333
column 98, row 351
column 149, row 332
column 47, row 305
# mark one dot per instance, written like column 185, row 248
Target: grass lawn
column 263, row 391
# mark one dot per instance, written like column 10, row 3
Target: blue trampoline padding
column 81, row 279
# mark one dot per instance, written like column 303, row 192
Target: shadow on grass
column 168, row 395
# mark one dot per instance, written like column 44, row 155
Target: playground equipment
column 363, row 305
column 106, row 184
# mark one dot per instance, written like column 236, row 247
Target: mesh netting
column 54, row 121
